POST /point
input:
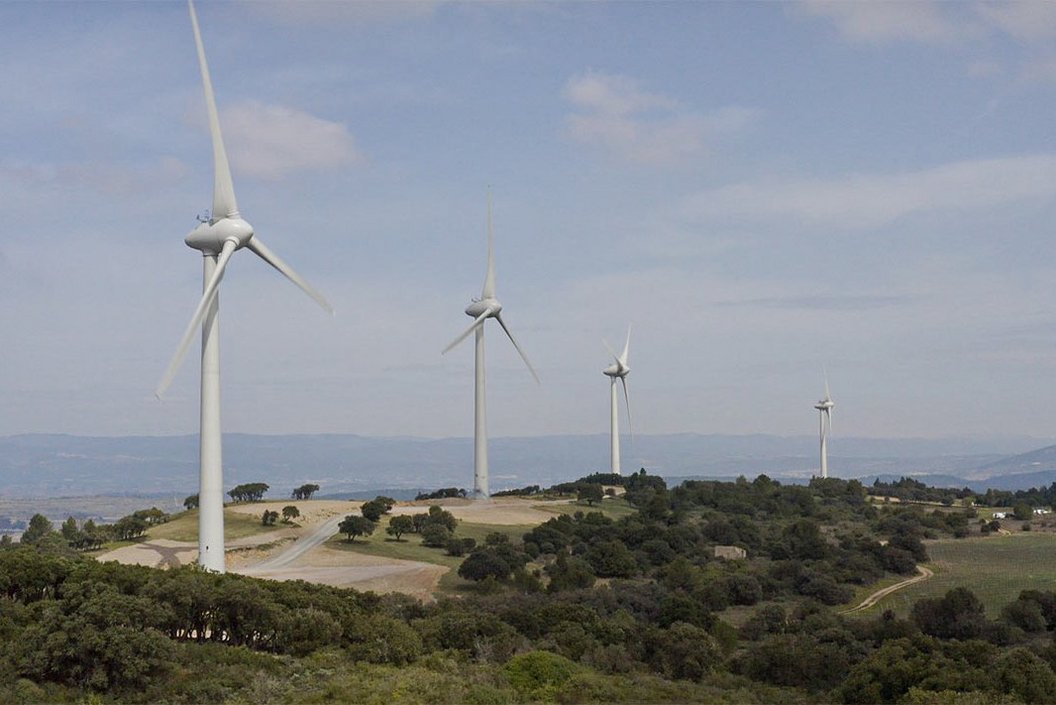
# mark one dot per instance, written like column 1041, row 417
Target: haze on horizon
column 761, row 189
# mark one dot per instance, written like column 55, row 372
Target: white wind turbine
column 487, row 306
column 824, row 408
column 618, row 370
column 218, row 238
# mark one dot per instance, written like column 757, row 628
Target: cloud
column 327, row 13
column 271, row 141
column 861, row 201
column 1023, row 20
column 897, row 20
column 616, row 114
column 823, row 302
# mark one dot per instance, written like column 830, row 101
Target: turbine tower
column 218, row 239
column 487, row 306
column 824, row 408
column 618, row 370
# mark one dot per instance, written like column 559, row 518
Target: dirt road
column 922, row 574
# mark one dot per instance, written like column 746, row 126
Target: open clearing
column 995, row 568
column 312, row 550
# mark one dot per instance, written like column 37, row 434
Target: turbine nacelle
column 480, row 306
column 617, row 369
column 825, row 405
column 210, row 237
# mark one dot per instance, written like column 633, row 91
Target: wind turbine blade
column 498, row 317
column 262, row 251
column 827, row 395
column 479, row 319
column 611, row 351
column 626, row 346
column 829, row 413
column 488, row 292
column 208, row 293
column 224, row 205
column 627, row 399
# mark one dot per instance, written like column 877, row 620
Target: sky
column 764, row 190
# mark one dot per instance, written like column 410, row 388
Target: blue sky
column 763, row 189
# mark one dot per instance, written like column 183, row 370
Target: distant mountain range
column 43, row 465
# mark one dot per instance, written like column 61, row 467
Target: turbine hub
column 478, row 307
column 210, row 237
column 616, row 370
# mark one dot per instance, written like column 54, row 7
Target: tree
column 249, row 492
column 435, row 536
column 305, row 491
column 569, row 573
column 269, row 518
column 191, row 502
column 372, row 510
column 484, row 563
column 38, row 528
column 289, row 513
column 69, row 530
column 590, row 493
column 354, row 526
column 1023, row 512
column 399, row 526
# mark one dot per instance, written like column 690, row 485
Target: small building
column 1039, row 511
column 731, row 553
column 1000, row 515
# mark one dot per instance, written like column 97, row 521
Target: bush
column 537, row 674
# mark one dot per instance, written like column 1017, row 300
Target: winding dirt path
column 922, row 575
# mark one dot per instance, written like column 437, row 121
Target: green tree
column 269, row 517
column 38, row 528
column 435, row 536
column 590, row 493
column 398, row 526
column 289, row 513
column 1023, row 512
column 353, row 526
column 569, row 573
column 249, row 492
column 190, row 502
column 70, row 532
column 305, row 491
column 484, row 563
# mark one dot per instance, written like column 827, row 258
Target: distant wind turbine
column 218, row 239
column 824, row 408
column 487, row 306
column 618, row 370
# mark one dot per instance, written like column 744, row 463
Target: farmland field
column 995, row 568
column 184, row 526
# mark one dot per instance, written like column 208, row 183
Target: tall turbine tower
column 618, row 370
column 487, row 306
column 824, row 408
column 218, row 239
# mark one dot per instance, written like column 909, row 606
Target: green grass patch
column 995, row 568
column 184, row 526
column 612, row 507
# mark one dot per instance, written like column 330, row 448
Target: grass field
column 615, row 508
column 184, row 526
column 995, row 568
column 410, row 548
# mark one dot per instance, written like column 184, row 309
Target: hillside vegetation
column 582, row 608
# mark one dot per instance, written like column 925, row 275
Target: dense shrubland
column 585, row 608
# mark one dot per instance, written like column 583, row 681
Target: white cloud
column 881, row 22
column 270, row 141
column 1023, row 20
column 615, row 113
column 860, row 201
column 330, row 12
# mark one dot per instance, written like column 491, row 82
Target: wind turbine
column 618, row 370
column 824, row 408
column 218, row 239
column 487, row 306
